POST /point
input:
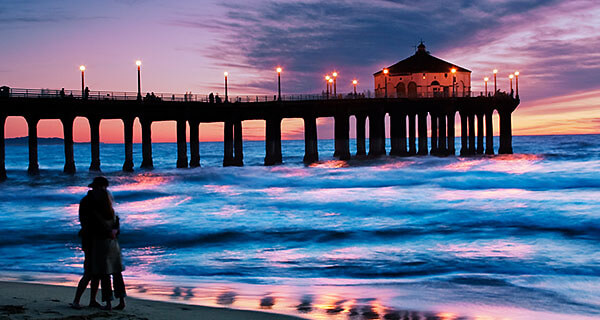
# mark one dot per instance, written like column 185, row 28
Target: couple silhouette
column 100, row 227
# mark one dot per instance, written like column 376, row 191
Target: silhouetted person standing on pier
column 211, row 98
column 62, row 93
column 86, row 93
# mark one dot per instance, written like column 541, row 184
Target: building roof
column 422, row 62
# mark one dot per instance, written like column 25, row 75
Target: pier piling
column 34, row 168
column 128, row 134
column 182, row 160
column 464, row 138
column 505, row 132
column 342, row 137
column 238, row 144
column 451, row 133
column 480, row 135
column 398, row 134
column 228, row 143
column 147, row 162
column 273, row 141
column 412, row 134
column 442, row 149
column 377, row 134
column 472, row 148
column 2, row 149
column 311, row 151
column 423, row 134
column 489, row 133
column 361, row 125
column 194, row 143
column 67, row 123
column 95, row 143
column 434, row 134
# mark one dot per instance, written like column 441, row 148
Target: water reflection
column 267, row 302
column 327, row 302
column 226, row 298
column 305, row 305
column 330, row 164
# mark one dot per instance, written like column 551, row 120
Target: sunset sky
column 186, row 45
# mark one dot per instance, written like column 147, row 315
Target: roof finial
column 421, row 48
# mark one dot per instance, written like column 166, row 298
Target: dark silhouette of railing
column 189, row 97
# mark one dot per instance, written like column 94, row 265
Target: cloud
column 312, row 37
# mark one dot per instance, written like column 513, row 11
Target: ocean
column 500, row 237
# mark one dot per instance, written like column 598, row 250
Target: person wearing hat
column 99, row 229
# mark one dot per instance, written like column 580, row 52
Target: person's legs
column 85, row 279
column 94, row 291
column 119, row 287
column 106, row 290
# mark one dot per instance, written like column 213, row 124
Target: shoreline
column 21, row 300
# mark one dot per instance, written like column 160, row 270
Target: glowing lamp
column 226, row 73
column 453, row 70
column 386, row 71
column 516, row 73
column 327, row 77
column 335, row 74
column 354, row 82
column 495, row 70
column 82, row 68
column 279, row 69
column 330, row 80
column 138, row 63
column 486, row 79
column 511, row 76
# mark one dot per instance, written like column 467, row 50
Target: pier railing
column 6, row 92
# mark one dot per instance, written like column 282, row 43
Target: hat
column 99, row 182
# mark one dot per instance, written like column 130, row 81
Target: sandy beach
column 37, row 301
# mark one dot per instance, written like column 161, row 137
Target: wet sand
column 37, row 301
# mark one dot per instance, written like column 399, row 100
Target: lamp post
column 327, row 77
column 511, row 76
column 495, row 87
column 486, row 81
column 226, row 74
column 138, row 63
column 335, row 74
column 82, row 68
column 330, row 86
column 279, row 83
column 517, row 81
column 354, row 83
column 453, row 70
column 385, row 73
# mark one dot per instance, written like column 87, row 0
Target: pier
column 410, row 121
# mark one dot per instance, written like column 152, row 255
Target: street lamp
column 335, row 74
column 279, row 83
column 517, row 81
column 511, row 76
column 495, row 87
column 330, row 86
column 486, row 81
column 453, row 70
column 82, row 68
column 226, row 74
column 385, row 73
column 138, row 63
column 354, row 82
column 327, row 77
